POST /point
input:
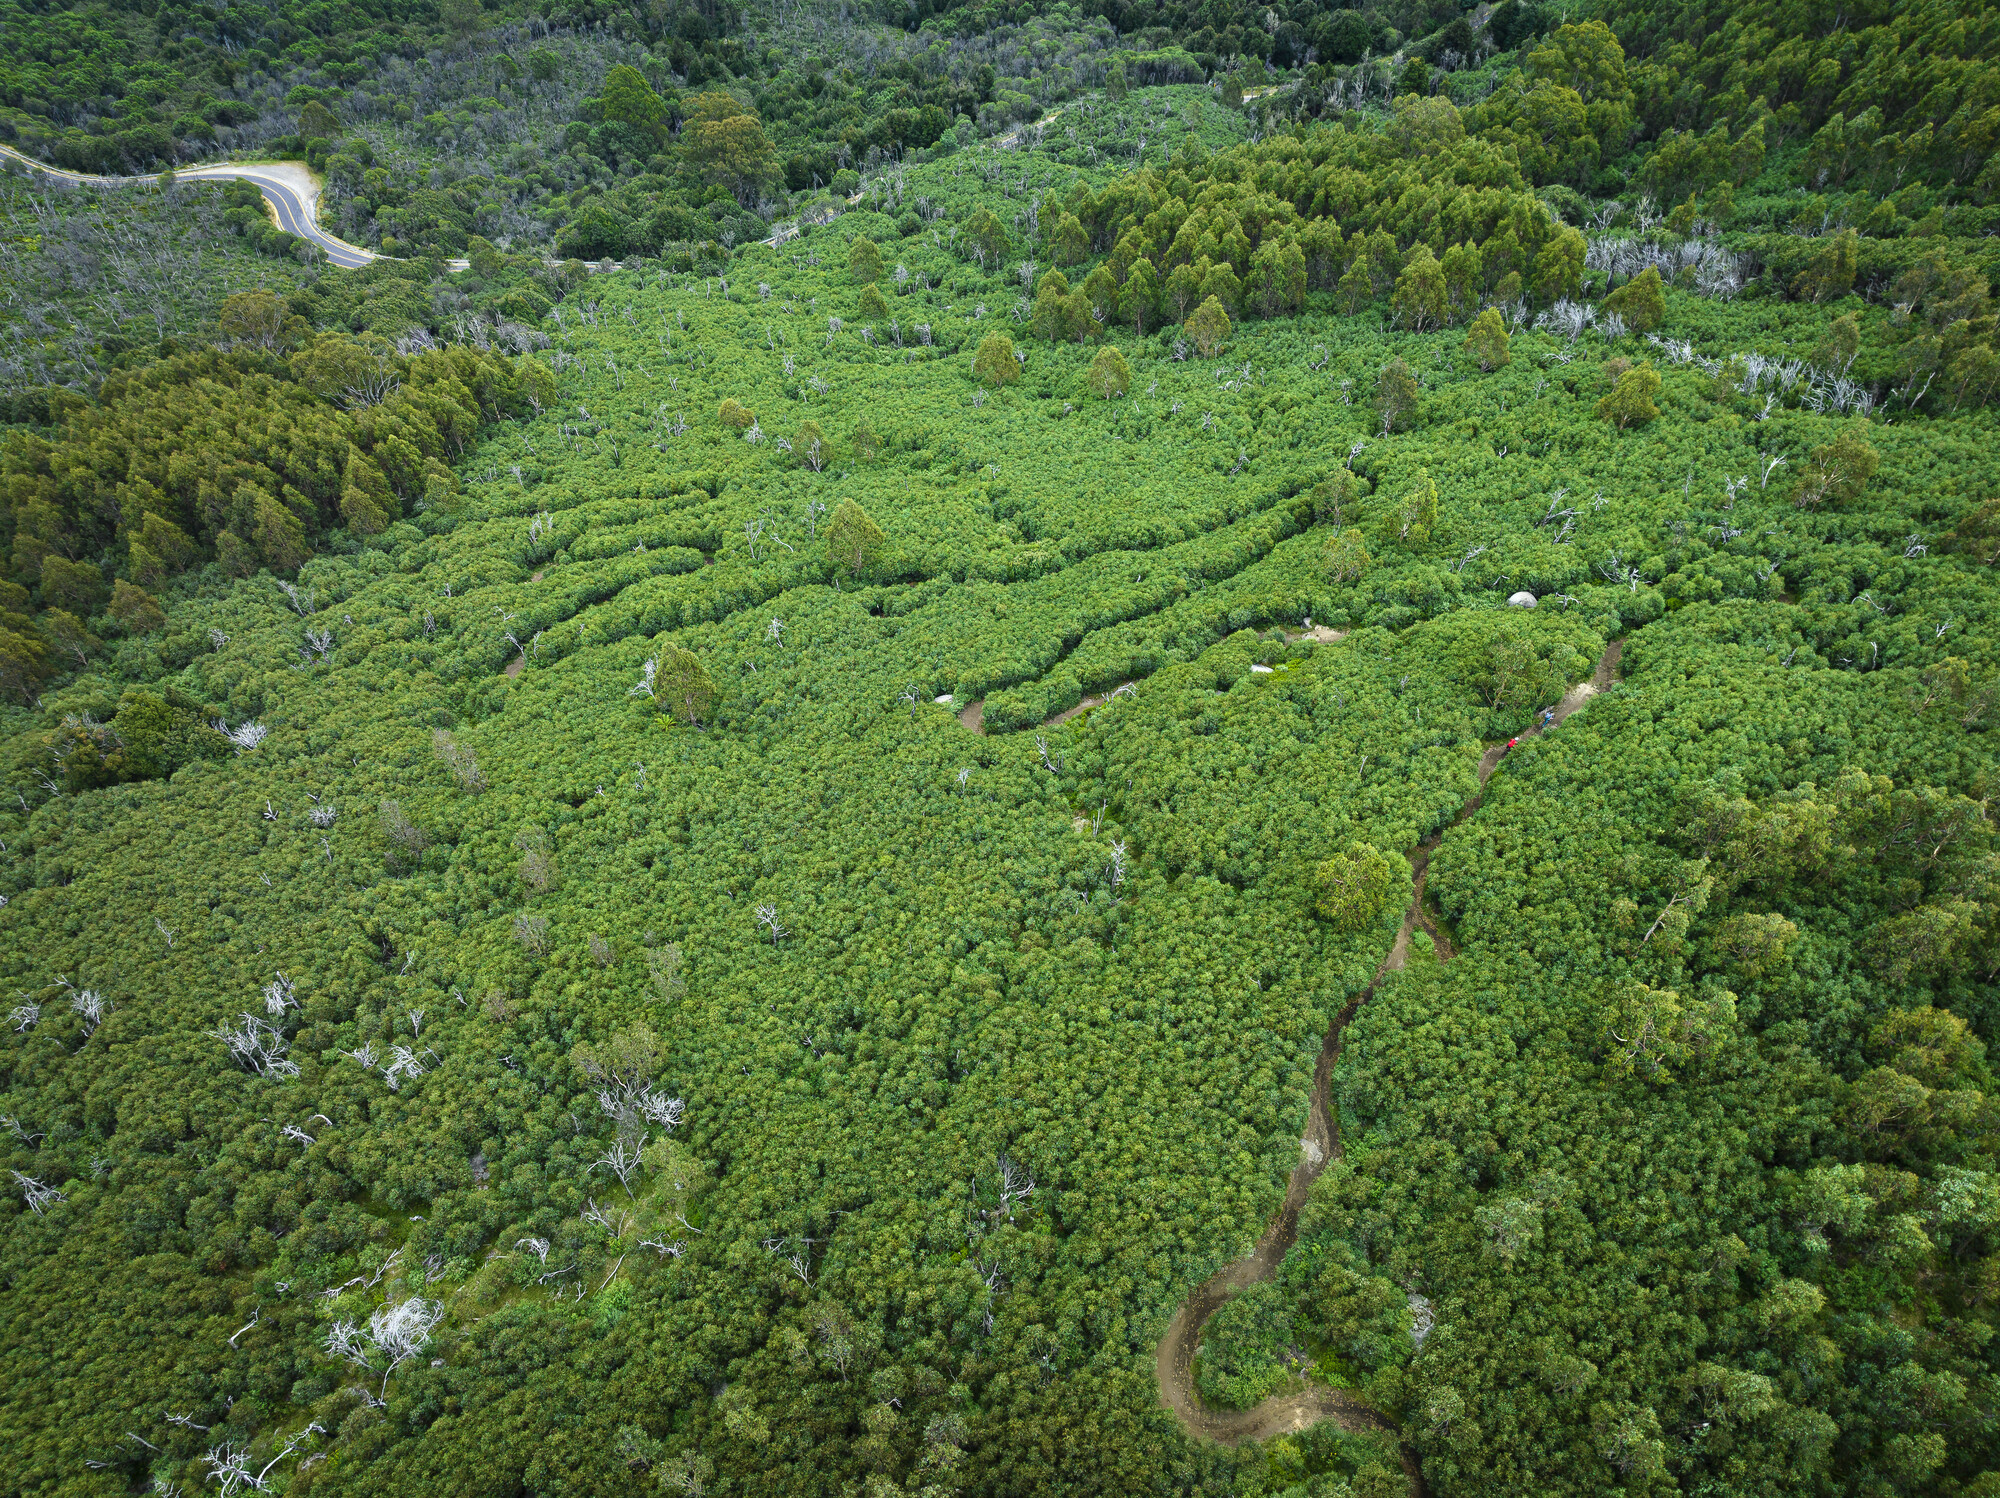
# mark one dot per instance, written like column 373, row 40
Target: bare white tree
column 229, row 1464
column 1016, row 1184
column 1570, row 318
column 258, row 1046
column 403, row 1062
column 767, row 915
column 24, row 1016
column 613, row 1220
column 93, row 1006
column 1423, row 1317
column 245, row 736
column 622, row 1159
column 279, row 995
column 667, row 1112
column 38, row 1196
column 394, row 1334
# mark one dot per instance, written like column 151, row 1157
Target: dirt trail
column 1319, row 632
column 1174, row 1362
column 1013, row 137
column 1600, row 680
column 1096, row 699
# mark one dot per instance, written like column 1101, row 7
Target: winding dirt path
column 1095, row 699
column 1174, row 1362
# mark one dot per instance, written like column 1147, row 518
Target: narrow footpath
column 1283, row 1414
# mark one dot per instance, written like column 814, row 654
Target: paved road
column 290, row 189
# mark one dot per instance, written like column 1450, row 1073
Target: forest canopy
column 1177, row 751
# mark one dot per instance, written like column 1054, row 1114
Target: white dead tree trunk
column 393, row 1335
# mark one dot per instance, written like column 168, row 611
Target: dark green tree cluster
column 1897, row 94
column 247, row 457
column 1421, row 214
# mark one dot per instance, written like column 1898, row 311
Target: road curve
column 1174, row 1362
column 288, row 186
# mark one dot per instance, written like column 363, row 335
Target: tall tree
column 1209, row 328
column 727, row 143
column 853, row 540
column 995, row 362
column 629, row 99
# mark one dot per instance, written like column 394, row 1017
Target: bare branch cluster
column 38, row 1196
column 258, row 1046
column 392, row 1336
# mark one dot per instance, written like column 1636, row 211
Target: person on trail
column 1548, row 717
column 1512, row 742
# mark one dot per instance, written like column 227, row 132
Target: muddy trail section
column 1284, row 1414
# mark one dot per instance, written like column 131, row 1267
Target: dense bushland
column 527, row 978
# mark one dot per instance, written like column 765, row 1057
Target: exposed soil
column 1319, row 632
column 1174, row 1362
column 974, row 716
column 1013, row 137
column 1096, row 699
column 1419, row 912
column 513, row 667
column 537, row 577
column 1600, row 680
